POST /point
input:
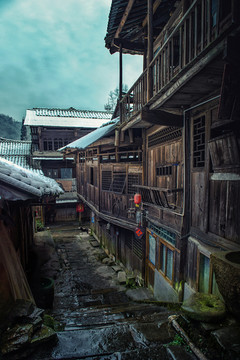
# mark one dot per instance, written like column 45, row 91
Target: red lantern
column 137, row 199
column 80, row 208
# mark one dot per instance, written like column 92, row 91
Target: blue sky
column 52, row 54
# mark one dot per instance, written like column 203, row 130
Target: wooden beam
column 160, row 117
column 155, row 6
column 129, row 45
column 131, row 137
column 124, row 18
column 150, row 50
column 120, row 82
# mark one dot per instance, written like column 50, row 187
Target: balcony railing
column 200, row 27
column 170, row 199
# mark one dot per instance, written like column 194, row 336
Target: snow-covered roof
column 16, row 151
column 92, row 137
column 66, row 118
column 25, row 181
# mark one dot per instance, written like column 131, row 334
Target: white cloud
column 53, row 54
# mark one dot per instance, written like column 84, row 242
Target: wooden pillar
column 144, row 169
column 120, row 82
column 99, row 178
column 150, row 49
column 145, row 50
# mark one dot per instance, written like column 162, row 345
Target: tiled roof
column 92, row 137
column 17, row 151
column 66, row 118
column 25, row 181
column 133, row 30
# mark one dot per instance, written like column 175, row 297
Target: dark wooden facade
column 185, row 108
column 106, row 178
column 51, row 129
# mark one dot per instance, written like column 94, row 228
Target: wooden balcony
column 194, row 47
column 166, row 199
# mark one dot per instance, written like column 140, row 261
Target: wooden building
column 20, row 190
column 106, row 174
column 50, row 130
column 177, row 139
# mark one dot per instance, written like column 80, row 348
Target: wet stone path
column 100, row 321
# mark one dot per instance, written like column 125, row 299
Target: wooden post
column 145, row 51
column 150, row 50
column 120, row 82
column 98, row 177
column 144, row 170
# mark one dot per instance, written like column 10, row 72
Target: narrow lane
column 100, row 320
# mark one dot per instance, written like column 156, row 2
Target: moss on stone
column 44, row 334
column 52, row 323
column 204, row 307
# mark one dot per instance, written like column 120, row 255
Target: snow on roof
column 26, row 180
column 93, row 136
column 66, row 118
column 16, row 151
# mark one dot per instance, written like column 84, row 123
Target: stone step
column 176, row 352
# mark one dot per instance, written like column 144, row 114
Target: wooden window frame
column 194, row 167
column 210, row 278
column 157, row 266
column 171, row 248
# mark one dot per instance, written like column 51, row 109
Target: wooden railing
column 136, row 97
column 199, row 28
column 171, row 199
column 117, row 205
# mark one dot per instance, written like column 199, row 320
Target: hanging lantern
column 137, row 199
column 80, row 208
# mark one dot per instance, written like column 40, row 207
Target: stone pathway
column 100, row 320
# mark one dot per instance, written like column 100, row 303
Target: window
column 162, row 136
column 58, row 143
column 206, row 277
column 138, row 247
column 166, row 259
column 118, row 183
column 93, row 176
column 204, row 269
column 66, row 173
column 52, row 173
column 199, row 142
column 47, row 144
column 163, row 233
column 164, row 170
column 133, row 179
column 161, row 253
column 152, row 249
column 106, row 180
column 214, row 7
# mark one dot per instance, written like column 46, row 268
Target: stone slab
column 117, row 268
column 179, row 352
column 228, row 338
column 94, row 243
column 121, row 277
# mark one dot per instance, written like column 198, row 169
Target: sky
column 53, row 54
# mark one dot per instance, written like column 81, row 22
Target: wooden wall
column 215, row 187
column 167, row 155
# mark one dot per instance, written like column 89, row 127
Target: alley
column 99, row 318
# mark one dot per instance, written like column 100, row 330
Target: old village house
column 50, row 130
column 176, row 142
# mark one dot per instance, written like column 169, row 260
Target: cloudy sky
column 52, row 54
